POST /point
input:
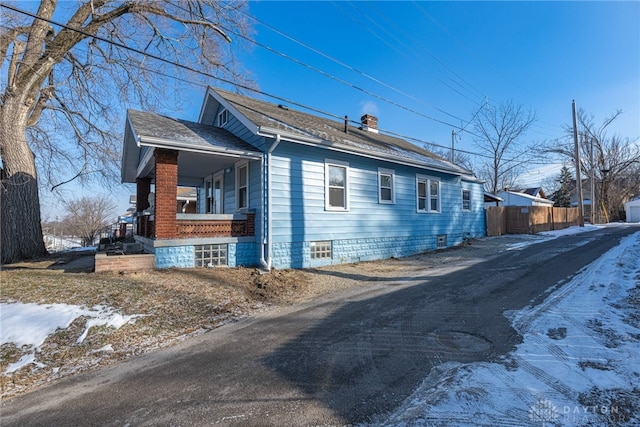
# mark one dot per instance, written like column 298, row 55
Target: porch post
column 166, row 162
column 143, row 188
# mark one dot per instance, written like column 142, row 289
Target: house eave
column 156, row 142
column 319, row 143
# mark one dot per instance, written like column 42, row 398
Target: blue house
column 277, row 187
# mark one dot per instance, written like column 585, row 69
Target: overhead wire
column 459, row 80
column 342, row 81
column 226, row 81
column 347, row 66
column 394, row 46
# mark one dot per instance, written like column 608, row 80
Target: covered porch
column 163, row 156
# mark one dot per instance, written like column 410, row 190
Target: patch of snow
column 578, row 363
column 554, row 234
column 28, row 325
column 104, row 349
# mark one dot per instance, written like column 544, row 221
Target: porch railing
column 194, row 225
column 203, row 225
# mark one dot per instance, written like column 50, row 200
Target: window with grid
column 434, row 196
column 466, row 200
column 223, row 117
column 336, row 186
column 386, row 184
column 428, row 194
column 211, row 255
column 242, row 185
column 321, row 250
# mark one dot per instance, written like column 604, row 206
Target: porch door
column 213, row 188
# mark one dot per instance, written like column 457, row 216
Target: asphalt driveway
column 344, row 359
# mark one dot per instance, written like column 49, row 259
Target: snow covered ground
column 578, row 365
column 29, row 325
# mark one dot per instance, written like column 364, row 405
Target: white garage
column 632, row 209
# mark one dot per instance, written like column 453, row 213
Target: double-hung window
column 336, row 185
column 428, row 194
column 466, row 200
column 223, row 117
column 242, row 186
column 386, row 183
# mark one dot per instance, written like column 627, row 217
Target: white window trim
column 462, row 195
column 338, row 163
column 392, row 173
column 223, row 117
column 238, row 167
column 428, row 180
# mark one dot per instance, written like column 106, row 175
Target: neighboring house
column 632, row 209
column 282, row 188
column 525, row 197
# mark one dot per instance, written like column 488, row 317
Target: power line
column 347, row 66
column 176, row 64
column 191, row 69
column 394, row 47
column 342, row 81
column 421, row 46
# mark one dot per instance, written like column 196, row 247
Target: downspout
column 266, row 263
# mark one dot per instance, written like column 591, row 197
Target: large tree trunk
column 20, row 227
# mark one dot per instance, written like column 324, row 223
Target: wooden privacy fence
column 528, row 219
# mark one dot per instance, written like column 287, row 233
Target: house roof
column 533, row 191
column 192, row 139
column 270, row 119
column 518, row 193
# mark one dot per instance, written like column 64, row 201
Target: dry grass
column 174, row 305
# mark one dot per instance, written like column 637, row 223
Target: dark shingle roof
column 331, row 133
column 190, row 134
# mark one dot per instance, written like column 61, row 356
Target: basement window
column 442, row 241
column 321, row 250
column 211, row 255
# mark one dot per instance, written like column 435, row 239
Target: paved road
column 340, row 360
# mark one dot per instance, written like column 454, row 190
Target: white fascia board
column 287, row 136
column 143, row 166
column 130, row 149
column 155, row 142
column 318, row 143
column 204, row 104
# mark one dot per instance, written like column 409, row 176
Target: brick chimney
column 369, row 123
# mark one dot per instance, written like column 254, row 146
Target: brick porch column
column 143, row 188
column 166, row 193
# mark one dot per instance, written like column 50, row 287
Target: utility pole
column 453, row 143
column 593, row 186
column 577, row 160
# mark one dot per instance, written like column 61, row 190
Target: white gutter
column 268, row 240
column 150, row 141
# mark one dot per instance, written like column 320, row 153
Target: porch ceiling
column 203, row 149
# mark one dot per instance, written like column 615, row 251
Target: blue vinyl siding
column 236, row 127
column 299, row 215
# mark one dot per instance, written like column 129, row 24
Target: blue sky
column 431, row 65
column 444, row 59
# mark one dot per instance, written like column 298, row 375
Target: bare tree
column 66, row 85
column 610, row 161
column 459, row 158
column 87, row 216
column 500, row 131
